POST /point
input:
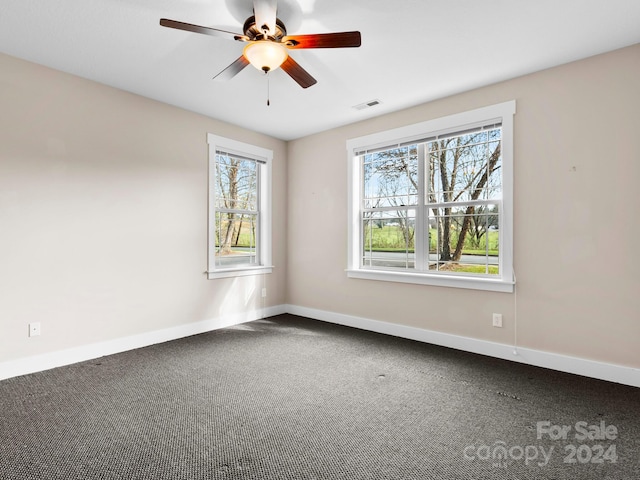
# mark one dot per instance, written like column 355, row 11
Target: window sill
column 239, row 272
column 489, row 284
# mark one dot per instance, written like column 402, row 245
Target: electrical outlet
column 34, row 329
column 264, row 292
column 497, row 320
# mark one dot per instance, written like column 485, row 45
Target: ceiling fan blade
column 233, row 69
column 189, row 27
column 323, row 40
column 265, row 13
column 299, row 74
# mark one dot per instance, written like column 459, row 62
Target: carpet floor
column 292, row 398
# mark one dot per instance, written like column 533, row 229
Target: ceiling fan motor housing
column 255, row 32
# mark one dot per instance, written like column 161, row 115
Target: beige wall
column 103, row 214
column 576, row 236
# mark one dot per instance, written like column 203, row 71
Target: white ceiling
column 412, row 51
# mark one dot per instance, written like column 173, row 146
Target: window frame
column 500, row 113
column 264, row 158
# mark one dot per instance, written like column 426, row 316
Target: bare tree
column 228, row 187
column 235, row 191
column 476, row 191
column 462, row 175
column 483, row 219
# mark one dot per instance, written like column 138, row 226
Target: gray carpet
column 293, row 398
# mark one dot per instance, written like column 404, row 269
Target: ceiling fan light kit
column 268, row 43
column 265, row 55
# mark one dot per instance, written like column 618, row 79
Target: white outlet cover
column 34, row 329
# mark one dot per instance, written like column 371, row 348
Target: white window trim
column 217, row 143
column 502, row 112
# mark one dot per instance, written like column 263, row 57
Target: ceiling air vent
column 370, row 103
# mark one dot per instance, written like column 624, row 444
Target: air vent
column 370, row 103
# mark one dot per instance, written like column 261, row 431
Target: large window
column 432, row 203
column 239, row 208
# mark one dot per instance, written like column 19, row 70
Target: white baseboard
column 579, row 366
column 46, row 361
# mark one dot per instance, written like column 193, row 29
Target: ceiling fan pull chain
column 268, row 102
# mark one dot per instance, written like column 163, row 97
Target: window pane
column 391, row 177
column 494, row 189
column 236, row 183
column 235, row 239
column 465, row 168
column 464, row 239
column 389, row 239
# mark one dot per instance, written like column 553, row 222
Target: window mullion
column 421, row 262
column 464, row 203
column 237, row 211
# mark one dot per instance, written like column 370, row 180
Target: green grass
column 390, row 239
column 493, row 269
column 470, row 251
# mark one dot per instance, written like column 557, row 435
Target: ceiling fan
column 268, row 43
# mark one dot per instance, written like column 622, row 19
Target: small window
column 432, row 203
column 239, row 208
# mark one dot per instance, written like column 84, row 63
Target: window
column 239, row 208
column 431, row 203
